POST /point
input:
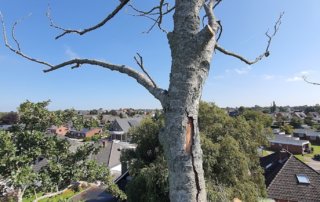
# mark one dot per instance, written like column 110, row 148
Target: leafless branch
column 216, row 4
column 83, row 31
column 146, row 82
column 18, row 50
column 155, row 14
column 140, row 64
column 220, row 29
column 140, row 78
column 313, row 83
column 266, row 53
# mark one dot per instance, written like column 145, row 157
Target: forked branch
column 140, row 64
column 18, row 50
column 83, row 31
column 155, row 14
column 142, row 79
column 266, row 53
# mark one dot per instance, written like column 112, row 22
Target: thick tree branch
column 313, row 83
column 146, row 82
column 83, row 31
column 209, row 13
column 266, row 53
column 210, row 30
column 140, row 78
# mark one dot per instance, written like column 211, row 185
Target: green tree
column 296, row 122
column 288, row 129
column 273, row 108
column 90, row 123
column 231, row 162
column 20, row 151
column 36, row 116
column 309, row 121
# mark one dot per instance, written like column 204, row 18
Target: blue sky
column 294, row 52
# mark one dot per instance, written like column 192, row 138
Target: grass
column 61, row 197
column 266, row 152
column 316, row 150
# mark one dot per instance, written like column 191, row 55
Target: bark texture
column 191, row 51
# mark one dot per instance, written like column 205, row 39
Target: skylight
column 269, row 165
column 302, row 179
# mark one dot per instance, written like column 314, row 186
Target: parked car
column 316, row 157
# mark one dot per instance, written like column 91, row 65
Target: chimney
column 283, row 155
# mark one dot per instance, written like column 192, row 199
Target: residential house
column 292, row 144
column 90, row 116
column 119, row 128
column 288, row 179
column 83, row 112
column 307, row 134
column 108, row 119
column 315, row 116
column 299, row 114
column 86, row 132
column 109, row 155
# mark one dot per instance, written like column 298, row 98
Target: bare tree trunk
column 191, row 52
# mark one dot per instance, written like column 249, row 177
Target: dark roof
column 102, row 157
column 283, row 139
column 281, row 170
column 307, row 132
column 109, row 155
column 37, row 167
column 126, row 123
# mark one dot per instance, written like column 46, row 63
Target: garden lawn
column 316, row 150
column 61, row 197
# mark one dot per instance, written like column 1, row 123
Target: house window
column 302, row 179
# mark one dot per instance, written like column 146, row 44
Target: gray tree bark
column 191, row 51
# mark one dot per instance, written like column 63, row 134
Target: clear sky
column 295, row 51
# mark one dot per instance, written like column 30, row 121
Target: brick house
column 291, row 144
column 288, row 179
column 84, row 133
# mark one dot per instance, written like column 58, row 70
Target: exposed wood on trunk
column 189, row 136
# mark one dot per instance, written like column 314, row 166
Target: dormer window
column 302, row 179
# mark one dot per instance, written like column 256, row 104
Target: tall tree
column 35, row 116
column 22, row 150
column 231, row 162
column 192, row 48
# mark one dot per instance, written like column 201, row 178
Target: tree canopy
column 32, row 162
column 230, row 158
